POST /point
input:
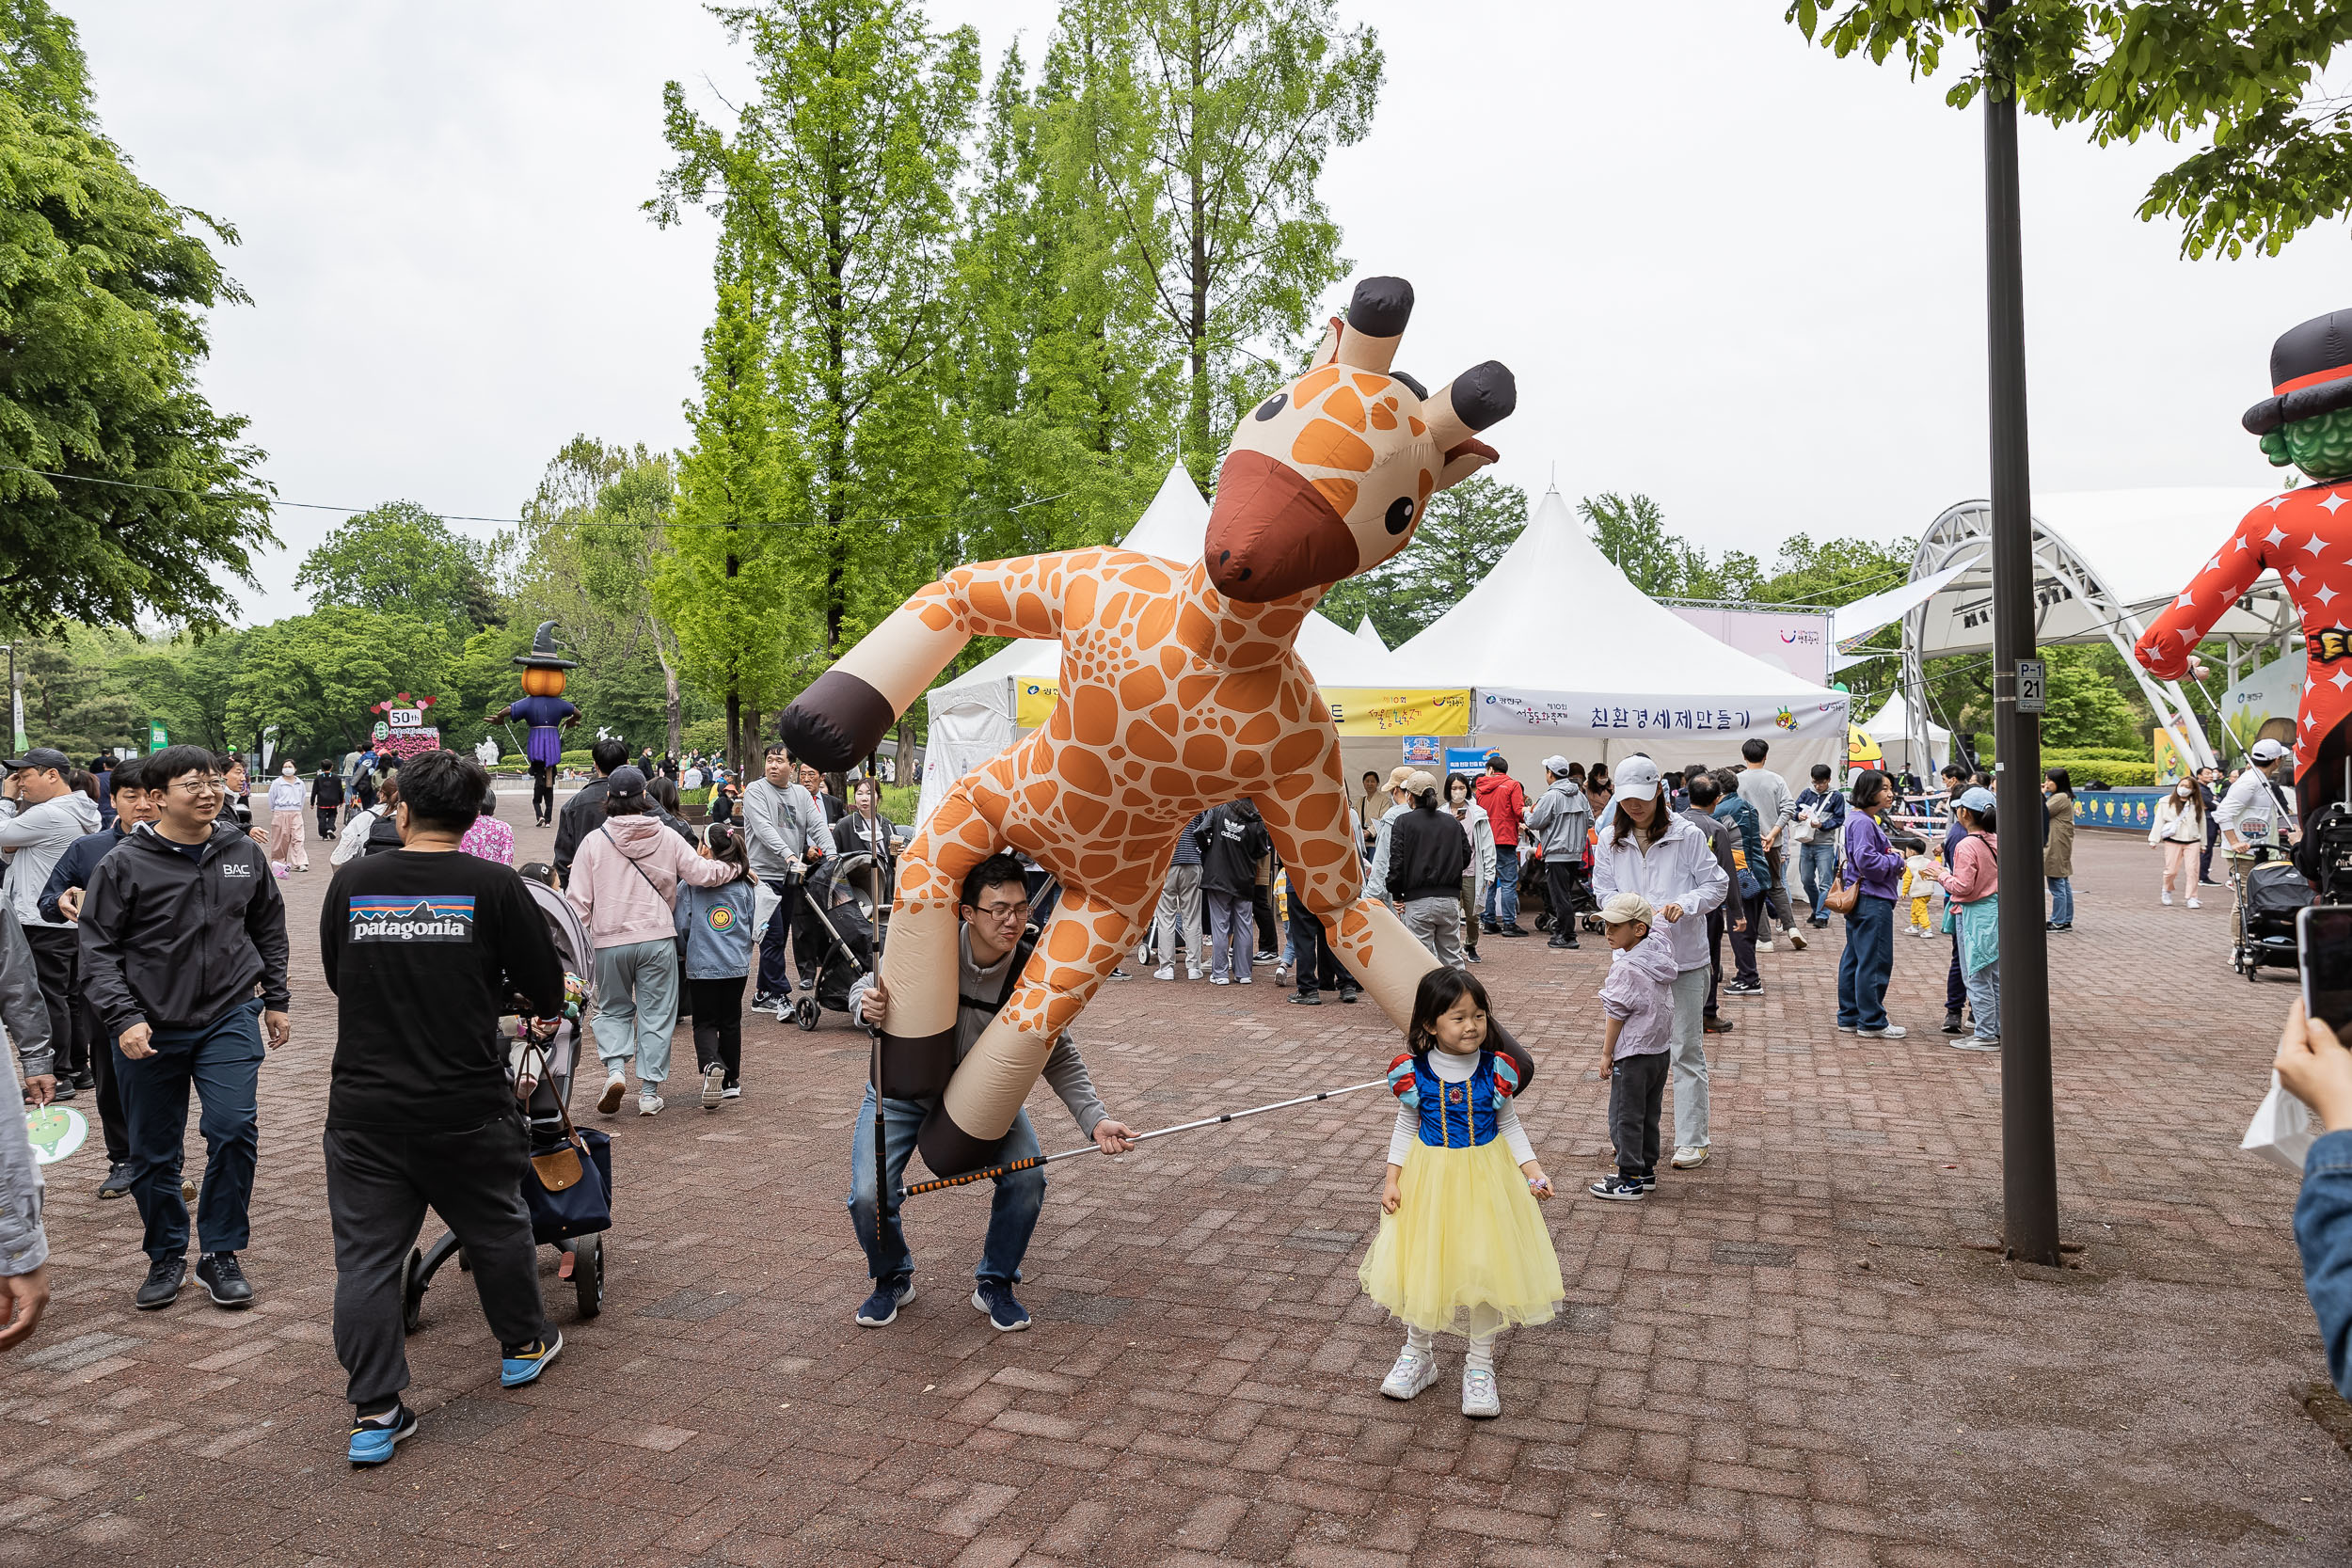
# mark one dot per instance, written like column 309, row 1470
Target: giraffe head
column 1328, row 477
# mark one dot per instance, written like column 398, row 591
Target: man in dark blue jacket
column 184, row 955
column 62, row 900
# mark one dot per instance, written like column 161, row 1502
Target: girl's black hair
column 1470, row 791
column 2060, row 777
column 727, row 845
column 1441, row 989
column 1867, row 785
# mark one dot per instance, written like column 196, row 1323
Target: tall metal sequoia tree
column 2281, row 159
column 835, row 196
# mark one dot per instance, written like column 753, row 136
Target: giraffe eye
column 1273, row 405
column 1400, row 514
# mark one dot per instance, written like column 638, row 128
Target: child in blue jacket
column 716, row 922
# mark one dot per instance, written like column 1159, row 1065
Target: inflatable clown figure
column 1180, row 690
column 2305, row 535
column 544, row 709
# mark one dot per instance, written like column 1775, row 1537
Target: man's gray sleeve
column 761, row 802
column 1066, row 1072
column 23, row 1245
column 20, row 1006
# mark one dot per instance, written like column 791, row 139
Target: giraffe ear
column 1327, row 351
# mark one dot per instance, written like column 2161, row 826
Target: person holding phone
column 2313, row 1066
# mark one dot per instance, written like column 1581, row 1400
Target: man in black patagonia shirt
column 423, row 948
column 183, row 958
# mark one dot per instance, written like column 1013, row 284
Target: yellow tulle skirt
column 1466, row 1250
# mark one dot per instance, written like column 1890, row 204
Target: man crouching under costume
column 995, row 942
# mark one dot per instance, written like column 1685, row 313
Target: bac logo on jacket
column 412, row 919
column 234, row 868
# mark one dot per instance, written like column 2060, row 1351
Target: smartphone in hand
column 2323, row 934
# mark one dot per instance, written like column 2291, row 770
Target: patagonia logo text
column 409, row 918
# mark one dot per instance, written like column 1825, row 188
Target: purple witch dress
column 543, row 714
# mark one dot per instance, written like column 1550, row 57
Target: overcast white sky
column 1732, row 272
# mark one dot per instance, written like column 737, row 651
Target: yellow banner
column 1033, row 701
column 1361, row 710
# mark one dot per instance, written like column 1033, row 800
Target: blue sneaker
column 524, row 1365
column 1005, row 1314
column 881, row 1308
column 372, row 1443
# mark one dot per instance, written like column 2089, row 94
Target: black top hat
column 543, row 654
column 2310, row 374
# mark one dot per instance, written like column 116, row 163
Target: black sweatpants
column 112, row 1127
column 1637, row 1090
column 1563, row 877
column 542, row 793
column 54, row 949
column 380, row 1182
column 1714, row 961
column 1318, row 966
column 718, row 1024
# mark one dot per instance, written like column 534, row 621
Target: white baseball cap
column 1636, row 779
column 1556, row 766
column 2267, row 751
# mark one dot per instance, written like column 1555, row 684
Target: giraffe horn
column 1480, row 397
column 1375, row 322
column 1328, row 350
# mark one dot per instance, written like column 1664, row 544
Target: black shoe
column 1744, row 988
column 86, row 1079
column 1952, row 1025
column 1348, row 994
column 2055, row 925
column 1716, row 1026
column 1265, row 957
column 1118, row 974
column 163, row 1284
column 1470, row 956
column 65, row 1089
column 1513, row 930
column 226, row 1280
column 1488, row 926
column 1306, row 999
column 1561, row 942
column 118, row 1182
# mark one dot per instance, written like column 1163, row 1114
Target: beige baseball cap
column 1627, row 908
column 1421, row 780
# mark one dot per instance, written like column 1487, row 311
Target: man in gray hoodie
column 23, row 1244
column 785, row 829
column 1561, row 821
column 41, row 818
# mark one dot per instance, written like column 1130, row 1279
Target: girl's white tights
column 1480, row 1357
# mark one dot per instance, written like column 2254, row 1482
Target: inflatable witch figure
column 2305, row 536
column 549, row 715
column 1180, row 690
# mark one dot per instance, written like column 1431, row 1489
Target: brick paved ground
column 1798, row 1354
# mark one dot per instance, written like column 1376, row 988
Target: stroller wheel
column 412, row 1290
column 588, row 1275
column 805, row 1014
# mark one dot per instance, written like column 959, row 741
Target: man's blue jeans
column 2061, row 900
column 1816, row 867
column 776, row 972
column 1011, row 1219
column 1866, row 964
column 223, row 1059
column 1502, row 898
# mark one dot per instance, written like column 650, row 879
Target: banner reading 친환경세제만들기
column 1625, row 716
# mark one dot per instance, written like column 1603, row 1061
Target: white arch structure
column 2106, row 562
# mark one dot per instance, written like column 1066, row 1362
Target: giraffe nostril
column 1242, row 576
column 1224, row 556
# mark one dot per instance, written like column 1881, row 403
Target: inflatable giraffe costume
column 1179, row 691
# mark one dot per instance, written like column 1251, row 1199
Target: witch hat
column 543, row 654
column 2310, row 374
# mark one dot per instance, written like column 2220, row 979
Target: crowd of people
column 144, row 954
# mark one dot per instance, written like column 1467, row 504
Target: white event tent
column 1893, row 728
column 994, row 704
column 1565, row 654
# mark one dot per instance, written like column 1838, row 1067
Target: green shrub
column 2123, row 775
column 694, row 800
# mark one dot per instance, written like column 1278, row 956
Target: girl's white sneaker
column 1479, row 1396
column 2167, row 898
column 2193, row 904
column 1412, row 1372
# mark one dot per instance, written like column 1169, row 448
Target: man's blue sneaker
column 525, row 1365
column 371, row 1442
column 1005, row 1314
column 881, row 1308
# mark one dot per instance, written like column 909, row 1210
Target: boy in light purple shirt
column 1638, row 1002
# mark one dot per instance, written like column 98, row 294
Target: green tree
column 1460, row 538
column 1206, row 125
column 187, row 683
column 1631, row 532
column 71, row 698
column 402, row 556
column 315, row 676
column 837, row 193
column 2085, row 708
column 122, row 493
column 2244, row 72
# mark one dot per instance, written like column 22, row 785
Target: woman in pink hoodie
column 624, row 884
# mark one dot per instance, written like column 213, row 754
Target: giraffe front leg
column 923, row 960
column 1081, row 944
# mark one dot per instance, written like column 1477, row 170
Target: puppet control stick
column 992, row 1172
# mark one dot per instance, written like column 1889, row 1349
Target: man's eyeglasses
column 1000, row 913
column 199, row 786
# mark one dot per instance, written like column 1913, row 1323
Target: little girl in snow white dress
column 1462, row 1246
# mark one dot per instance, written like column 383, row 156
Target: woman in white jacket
column 1648, row 847
column 1480, row 830
column 287, row 797
column 2180, row 828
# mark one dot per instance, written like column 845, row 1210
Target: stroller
column 837, row 917
column 2273, row 894
column 571, row 1220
